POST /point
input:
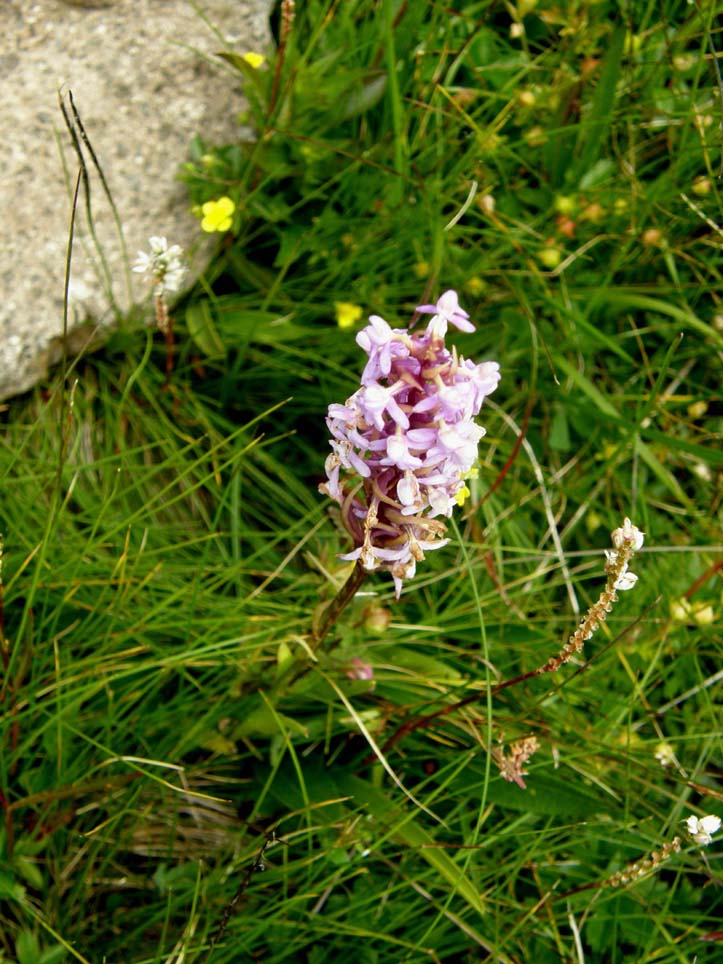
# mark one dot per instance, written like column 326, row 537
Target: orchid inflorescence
column 406, row 440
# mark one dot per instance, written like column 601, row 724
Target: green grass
column 165, row 550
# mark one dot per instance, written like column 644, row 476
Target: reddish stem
column 338, row 604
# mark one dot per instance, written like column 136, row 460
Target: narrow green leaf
column 52, row 955
column 364, row 97
column 251, row 74
column 596, row 125
column 629, row 298
column 597, row 174
column 608, row 409
column 27, row 948
column 202, row 329
column 261, row 721
column 9, row 889
column 701, row 452
column 30, row 872
column 560, row 430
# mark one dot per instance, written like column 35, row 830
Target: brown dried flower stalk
column 287, row 19
column 641, row 868
column 626, row 541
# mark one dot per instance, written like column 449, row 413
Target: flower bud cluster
column 627, row 539
column 641, row 868
column 406, row 440
column 162, row 265
column 702, row 829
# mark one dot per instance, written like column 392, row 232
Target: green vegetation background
column 165, row 548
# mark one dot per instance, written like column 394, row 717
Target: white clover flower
column 702, row 829
column 162, row 265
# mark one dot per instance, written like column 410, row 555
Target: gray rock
column 145, row 79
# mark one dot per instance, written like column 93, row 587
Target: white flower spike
column 163, row 265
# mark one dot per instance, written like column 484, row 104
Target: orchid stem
column 329, row 616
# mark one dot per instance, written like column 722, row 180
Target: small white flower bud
column 628, row 533
column 702, row 829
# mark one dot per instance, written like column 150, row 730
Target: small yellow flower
column 254, row 60
column 700, row 613
column 475, row 285
column 527, row 98
column 697, row 409
column 664, row 754
column 684, row 62
column 593, row 212
column 565, row 204
column 704, row 615
column 593, row 521
column 421, row 269
column 462, row 495
column 347, row 314
column 702, row 186
column 550, row 256
column 679, row 610
column 632, row 43
column 535, row 136
column 217, row 215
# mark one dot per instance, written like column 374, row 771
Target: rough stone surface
column 145, row 79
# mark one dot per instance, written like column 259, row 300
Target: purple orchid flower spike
column 403, row 443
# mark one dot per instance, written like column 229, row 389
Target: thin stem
column 329, row 616
column 287, row 21
column 422, row 722
column 257, row 866
column 169, row 350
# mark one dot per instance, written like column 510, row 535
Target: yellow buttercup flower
column 254, row 60
column 347, row 314
column 217, row 215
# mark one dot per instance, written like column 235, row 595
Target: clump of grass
column 165, row 551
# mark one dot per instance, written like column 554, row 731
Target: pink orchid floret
column 446, row 311
column 403, row 443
